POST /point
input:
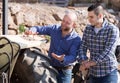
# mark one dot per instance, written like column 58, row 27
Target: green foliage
column 21, row 28
column 47, row 37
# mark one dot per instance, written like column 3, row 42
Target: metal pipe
column 5, row 17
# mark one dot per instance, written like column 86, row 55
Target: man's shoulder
column 88, row 26
column 76, row 36
column 112, row 26
column 109, row 25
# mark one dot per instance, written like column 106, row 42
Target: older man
column 64, row 45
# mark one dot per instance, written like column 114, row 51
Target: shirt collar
column 105, row 22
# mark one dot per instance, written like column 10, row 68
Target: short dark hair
column 97, row 8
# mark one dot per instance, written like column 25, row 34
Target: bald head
column 71, row 15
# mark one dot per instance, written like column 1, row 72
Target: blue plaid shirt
column 68, row 45
column 102, row 47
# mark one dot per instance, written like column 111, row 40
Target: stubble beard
column 66, row 29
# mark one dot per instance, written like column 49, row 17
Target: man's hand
column 83, row 65
column 92, row 63
column 60, row 58
column 82, row 68
column 29, row 32
column 89, row 64
column 86, row 65
column 84, row 62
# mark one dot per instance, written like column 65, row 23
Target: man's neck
column 99, row 25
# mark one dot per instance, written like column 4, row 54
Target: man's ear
column 100, row 15
column 74, row 25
